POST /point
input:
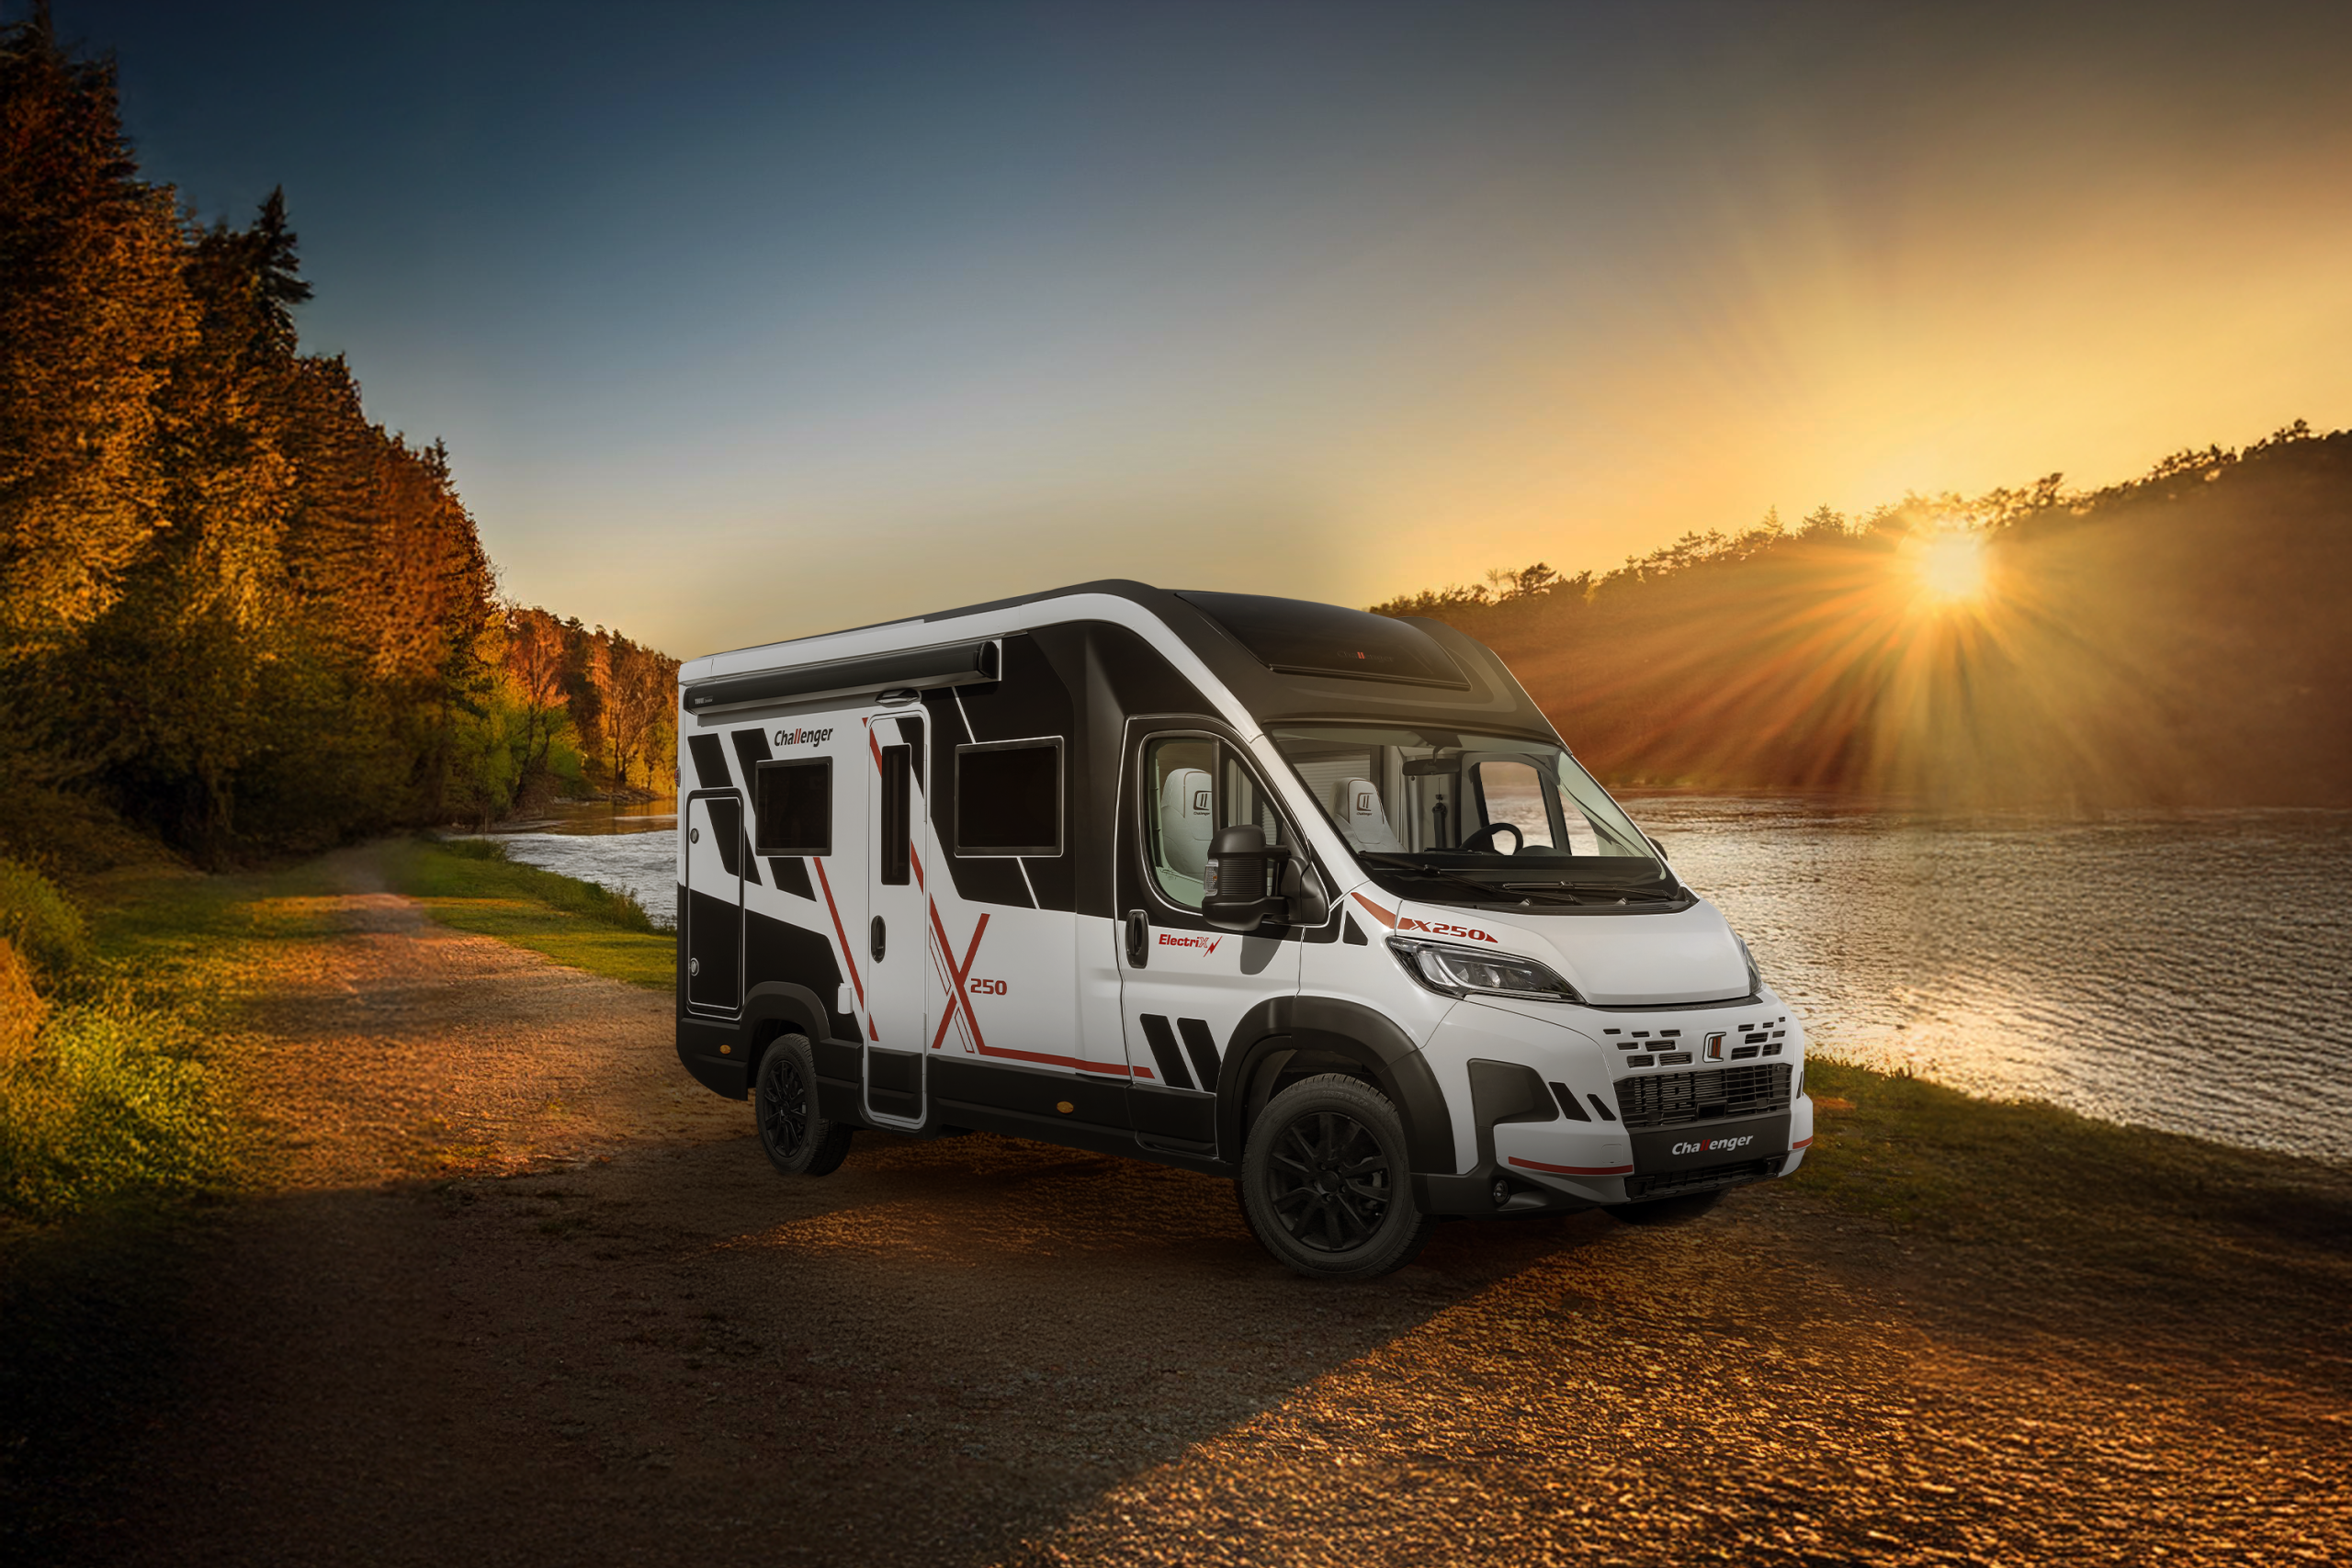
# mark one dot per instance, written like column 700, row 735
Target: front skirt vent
column 1666, row 1183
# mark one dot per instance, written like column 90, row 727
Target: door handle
column 1138, row 938
column 877, row 940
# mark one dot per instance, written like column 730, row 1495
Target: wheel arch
column 1286, row 1036
column 773, row 1009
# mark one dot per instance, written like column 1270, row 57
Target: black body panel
column 1506, row 1092
column 959, row 1084
column 714, row 938
column 775, row 950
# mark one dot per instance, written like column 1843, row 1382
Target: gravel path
column 524, row 1295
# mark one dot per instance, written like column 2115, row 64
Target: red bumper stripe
column 1573, row 1170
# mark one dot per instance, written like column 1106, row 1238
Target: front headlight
column 1465, row 971
column 1755, row 976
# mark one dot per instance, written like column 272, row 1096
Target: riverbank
column 484, row 1229
column 471, row 884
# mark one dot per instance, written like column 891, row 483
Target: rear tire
column 1326, row 1185
column 1666, row 1210
column 784, row 1104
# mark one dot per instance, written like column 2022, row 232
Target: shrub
column 47, row 932
column 112, row 1099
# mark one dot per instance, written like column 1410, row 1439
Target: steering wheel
column 1484, row 839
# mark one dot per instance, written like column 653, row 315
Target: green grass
column 2062, row 1203
column 470, row 885
column 121, row 1096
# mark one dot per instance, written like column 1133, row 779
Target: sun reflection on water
column 2178, row 971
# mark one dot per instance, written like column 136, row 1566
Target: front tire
column 798, row 1141
column 1326, row 1185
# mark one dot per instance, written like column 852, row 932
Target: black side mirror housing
column 1243, row 880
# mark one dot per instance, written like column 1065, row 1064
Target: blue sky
column 745, row 322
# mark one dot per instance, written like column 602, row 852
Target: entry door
column 713, row 916
column 897, row 938
column 1184, row 987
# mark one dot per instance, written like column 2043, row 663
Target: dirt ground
column 523, row 1294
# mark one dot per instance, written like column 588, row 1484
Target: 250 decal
column 986, row 988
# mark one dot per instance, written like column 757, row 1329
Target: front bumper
column 1612, row 1124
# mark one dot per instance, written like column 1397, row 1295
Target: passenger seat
column 1362, row 819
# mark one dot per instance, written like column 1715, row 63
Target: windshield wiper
column 1487, row 892
column 1643, row 893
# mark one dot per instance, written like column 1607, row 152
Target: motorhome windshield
column 1455, row 818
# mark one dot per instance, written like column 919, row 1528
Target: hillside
column 2177, row 640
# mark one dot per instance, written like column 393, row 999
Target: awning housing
column 916, row 668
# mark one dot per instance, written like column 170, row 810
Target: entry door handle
column 1138, row 938
column 877, row 940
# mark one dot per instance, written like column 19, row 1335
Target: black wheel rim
column 784, row 1107
column 1328, row 1180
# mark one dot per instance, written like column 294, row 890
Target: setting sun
column 1949, row 566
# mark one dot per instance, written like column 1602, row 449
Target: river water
column 2190, row 972
column 631, row 848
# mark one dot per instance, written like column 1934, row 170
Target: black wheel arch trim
column 1281, row 1028
column 770, row 1008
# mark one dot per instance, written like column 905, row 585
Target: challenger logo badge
column 1715, row 1145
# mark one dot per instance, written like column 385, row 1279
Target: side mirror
column 1239, row 883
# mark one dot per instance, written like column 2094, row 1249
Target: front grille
column 1669, row 1099
column 1669, row 1182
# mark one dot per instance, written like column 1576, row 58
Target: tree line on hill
column 2174, row 640
column 232, row 607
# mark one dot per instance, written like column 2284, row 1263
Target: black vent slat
column 1669, row 1100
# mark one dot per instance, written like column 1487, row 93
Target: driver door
column 1184, row 987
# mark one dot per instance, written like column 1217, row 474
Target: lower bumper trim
column 1572, row 1169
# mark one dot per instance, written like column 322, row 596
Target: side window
column 1193, row 786
column 1180, row 810
column 897, row 815
column 794, row 801
column 1008, row 798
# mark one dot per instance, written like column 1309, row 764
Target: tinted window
column 1193, row 786
column 1180, row 810
column 1008, row 798
column 898, row 814
column 794, row 807
column 1306, row 639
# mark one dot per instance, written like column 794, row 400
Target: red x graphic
column 957, row 997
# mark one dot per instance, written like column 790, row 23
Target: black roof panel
column 1298, row 636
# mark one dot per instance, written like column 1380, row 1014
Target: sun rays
column 1947, row 568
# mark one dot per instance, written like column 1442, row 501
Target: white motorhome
column 1300, row 895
